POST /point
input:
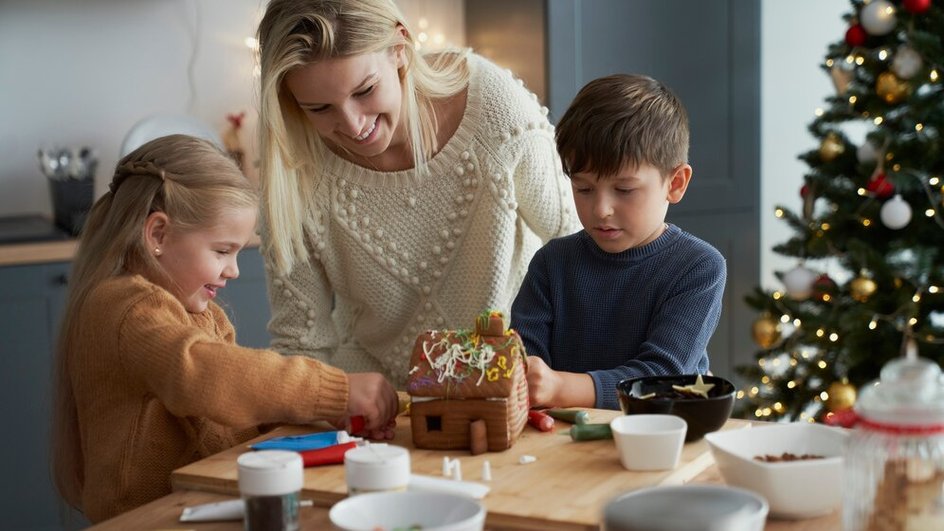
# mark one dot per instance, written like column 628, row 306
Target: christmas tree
column 872, row 209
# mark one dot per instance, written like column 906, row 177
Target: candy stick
column 540, row 420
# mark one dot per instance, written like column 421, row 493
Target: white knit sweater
column 395, row 254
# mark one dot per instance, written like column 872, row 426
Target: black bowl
column 703, row 415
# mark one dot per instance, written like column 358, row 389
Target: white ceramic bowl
column 430, row 511
column 649, row 442
column 686, row 508
column 794, row 489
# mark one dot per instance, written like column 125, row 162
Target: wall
column 792, row 87
column 83, row 73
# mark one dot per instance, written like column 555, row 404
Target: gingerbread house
column 468, row 388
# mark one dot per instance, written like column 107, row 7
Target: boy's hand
column 374, row 399
column 543, row 383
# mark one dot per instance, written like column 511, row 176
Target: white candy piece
column 456, row 470
column 527, row 459
column 446, row 467
column 486, row 471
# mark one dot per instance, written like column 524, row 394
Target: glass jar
column 894, row 458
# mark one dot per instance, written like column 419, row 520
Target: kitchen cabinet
column 32, row 299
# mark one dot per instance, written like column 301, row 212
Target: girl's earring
column 157, row 251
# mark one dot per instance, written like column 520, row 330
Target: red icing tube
column 332, row 455
column 540, row 420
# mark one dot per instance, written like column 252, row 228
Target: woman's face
column 353, row 102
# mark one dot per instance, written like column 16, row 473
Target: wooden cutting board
column 566, row 486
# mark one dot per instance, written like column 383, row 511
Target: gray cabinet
column 32, row 298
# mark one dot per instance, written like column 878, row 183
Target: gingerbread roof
column 478, row 363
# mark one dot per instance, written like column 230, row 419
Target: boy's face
column 627, row 210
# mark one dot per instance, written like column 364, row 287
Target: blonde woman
column 149, row 376
column 401, row 192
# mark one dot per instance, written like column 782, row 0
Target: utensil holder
column 71, row 202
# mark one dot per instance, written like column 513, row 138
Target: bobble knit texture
column 157, row 388
column 645, row 311
column 398, row 254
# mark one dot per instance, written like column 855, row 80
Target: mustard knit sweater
column 157, row 388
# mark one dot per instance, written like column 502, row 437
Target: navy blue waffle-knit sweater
column 645, row 311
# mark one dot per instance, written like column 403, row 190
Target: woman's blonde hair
column 294, row 33
column 193, row 183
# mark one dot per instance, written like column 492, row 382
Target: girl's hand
column 543, row 383
column 374, row 399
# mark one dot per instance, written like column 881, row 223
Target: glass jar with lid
column 894, row 459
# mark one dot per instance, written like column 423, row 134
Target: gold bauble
column 891, row 88
column 842, row 395
column 766, row 331
column 861, row 288
column 831, row 147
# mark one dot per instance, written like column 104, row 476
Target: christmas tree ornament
column 799, row 282
column 856, row 35
column 824, row 288
column 831, row 147
column 895, row 213
column 878, row 17
column 890, row 88
column 842, row 395
column 880, row 186
column 841, row 76
column 867, row 153
column 861, row 288
column 916, row 6
column 907, row 63
column 765, row 331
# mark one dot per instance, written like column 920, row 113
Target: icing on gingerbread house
column 468, row 387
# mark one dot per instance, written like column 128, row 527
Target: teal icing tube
column 574, row 416
column 590, row 432
column 301, row 443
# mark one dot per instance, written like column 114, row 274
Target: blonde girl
column 149, row 375
column 401, row 192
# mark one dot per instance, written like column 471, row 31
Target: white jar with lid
column 376, row 467
column 270, row 482
column 894, row 459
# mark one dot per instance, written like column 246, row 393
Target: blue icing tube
column 300, row 443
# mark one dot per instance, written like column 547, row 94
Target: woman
column 400, row 192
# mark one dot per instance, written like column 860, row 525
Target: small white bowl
column 795, row 489
column 430, row 511
column 649, row 442
column 686, row 508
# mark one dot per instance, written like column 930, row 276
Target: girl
column 400, row 192
column 149, row 376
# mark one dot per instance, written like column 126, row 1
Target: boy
column 629, row 295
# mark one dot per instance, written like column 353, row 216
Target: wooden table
column 565, row 488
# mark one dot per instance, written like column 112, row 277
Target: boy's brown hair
column 621, row 121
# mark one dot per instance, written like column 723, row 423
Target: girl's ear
column 155, row 230
column 678, row 183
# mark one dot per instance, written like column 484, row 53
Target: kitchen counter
column 37, row 252
column 48, row 251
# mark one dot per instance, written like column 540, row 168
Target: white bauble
column 799, row 282
column 867, row 153
column 878, row 17
column 895, row 213
column 906, row 63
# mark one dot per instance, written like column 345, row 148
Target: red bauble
column 824, row 286
column 917, row 6
column 804, row 191
column 880, row 186
column 856, row 35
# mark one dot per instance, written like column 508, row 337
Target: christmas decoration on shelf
column 232, row 139
column 872, row 215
